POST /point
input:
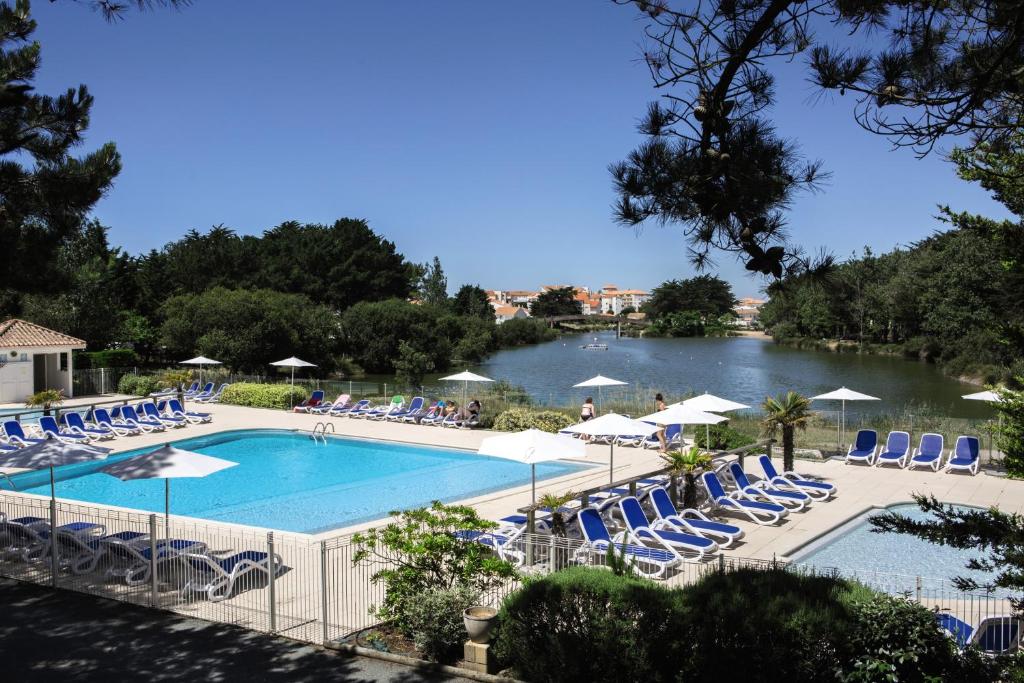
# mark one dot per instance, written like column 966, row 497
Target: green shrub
column 518, row 419
column 723, row 438
column 435, row 621
column 281, row 396
column 138, row 385
column 590, row 624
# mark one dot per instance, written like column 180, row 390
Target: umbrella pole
column 54, row 560
column 611, row 461
column 533, row 482
column 707, row 437
column 291, row 396
column 167, row 509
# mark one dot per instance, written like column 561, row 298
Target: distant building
column 34, row 358
column 748, row 312
column 615, row 300
column 521, row 297
column 505, row 312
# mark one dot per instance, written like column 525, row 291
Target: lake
column 742, row 369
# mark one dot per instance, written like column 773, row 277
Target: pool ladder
column 320, row 431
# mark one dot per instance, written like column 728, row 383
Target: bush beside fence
column 282, row 396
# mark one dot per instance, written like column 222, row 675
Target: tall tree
column 707, row 295
column 45, row 193
column 712, row 161
column 113, row 10
column 472, row 301
column 561, row 301
column 434, row 284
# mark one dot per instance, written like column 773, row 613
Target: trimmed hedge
column 281, row 396
column 138, row 385
column 518, row 419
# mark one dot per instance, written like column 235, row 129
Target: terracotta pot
column 479, row 622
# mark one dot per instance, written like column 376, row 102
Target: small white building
column 503, row 313
column 34, row 358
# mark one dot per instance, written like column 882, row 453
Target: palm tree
column 48, row 398
column 686, row 464
column 787, row 413
column 554, row 502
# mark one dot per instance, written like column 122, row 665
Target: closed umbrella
column 530, row 447
column 293, row 363
column 612, row 425
column 200, row 361
column 167, row 462
column 466, row 377
column 843, row 394
column 600, row 381
column 52, row 453
column 712, row 404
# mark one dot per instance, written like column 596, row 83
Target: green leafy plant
column 177, row 379
column 1009, row 429
column 786, row 413
column 46, row 399
column 687, row 464
column 420, row 552
column 435, row 621
column 137, row 385
column 518, row 419
column 280, row 396
column 554, row 502
column 723, row 438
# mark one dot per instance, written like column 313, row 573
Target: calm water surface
column 739, row 368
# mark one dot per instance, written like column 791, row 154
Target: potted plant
column 686, row 464
column 479, row 621
column 47, row 399
column 786, row 413
column 554, row 502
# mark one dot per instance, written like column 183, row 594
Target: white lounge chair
column 764, row 514
column 217, row 577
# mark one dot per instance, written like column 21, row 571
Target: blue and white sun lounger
column 397, row 415
column 690, row 521
column 501, row 540
column 192, row 390
column 864, row 447
column 759, row 513
column 815, row 489
column 966, row 455
column 651, row 562
column 152, row 413
column 640, row 529
column 792, row 498
column 76, row 425
column 16, row 434
column 49, row 427
column 139, row 557
column 673, row 437
column 928, row 452
column 119, row 427
column 994, row 635
column 217, row 577
column 143, row 424
column 176, row 410
column 896, row 451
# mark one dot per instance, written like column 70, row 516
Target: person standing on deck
column 659, row 405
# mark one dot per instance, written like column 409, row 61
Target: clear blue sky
column 477, row 131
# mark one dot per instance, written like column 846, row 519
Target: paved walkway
column 48, row 635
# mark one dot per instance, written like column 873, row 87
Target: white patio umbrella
column 843, row 394
column 710, row 403
column 531, row 447
column 612, row 425
column 200, row 361
column 466, row 377
column 600, row 381
column 990, row 397
column 52, row 453
column 166, row 462
column 293, row 363
column 682, row 414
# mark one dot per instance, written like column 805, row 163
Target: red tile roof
column 15, row 333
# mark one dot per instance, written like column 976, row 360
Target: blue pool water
column 856, row 551
column 286, row 481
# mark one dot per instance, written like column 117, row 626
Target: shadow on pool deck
column 58, row 635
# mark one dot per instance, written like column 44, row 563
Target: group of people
column 589, row 412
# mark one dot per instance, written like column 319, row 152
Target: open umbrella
column 52, row 453
column 990, row 397
column 712, row 404
column 530, row 447
column 466, row 377
column 200, row 361
column 600, row 381
column 612, row 425
column 843, row 394
column 293, row 363
column 166, row 462
column 682, row 414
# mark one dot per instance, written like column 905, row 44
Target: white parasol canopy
column 530, row 447
column 466, row 377
column 167, row 462
column 600, row 381
column 611, row 425
column 712, row 404
column 200, row 361
column 843, row 394
column 293, row 363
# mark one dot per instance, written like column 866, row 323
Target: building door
column 39, row 372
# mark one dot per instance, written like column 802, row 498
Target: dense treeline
column 692, row 307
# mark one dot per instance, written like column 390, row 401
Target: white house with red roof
column 34, row 358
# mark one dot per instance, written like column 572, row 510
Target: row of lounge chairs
column 651, row 533
column 206, row 394
column 417, row 411
column 100, row 424
column 673, row 438
column 127, row 556
column 965, row 455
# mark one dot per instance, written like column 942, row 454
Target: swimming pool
column 286, row 481
column 889, row 561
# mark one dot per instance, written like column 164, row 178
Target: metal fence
column 98, row 381
column 292, row 585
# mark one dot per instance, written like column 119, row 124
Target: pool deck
column 860, row 487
